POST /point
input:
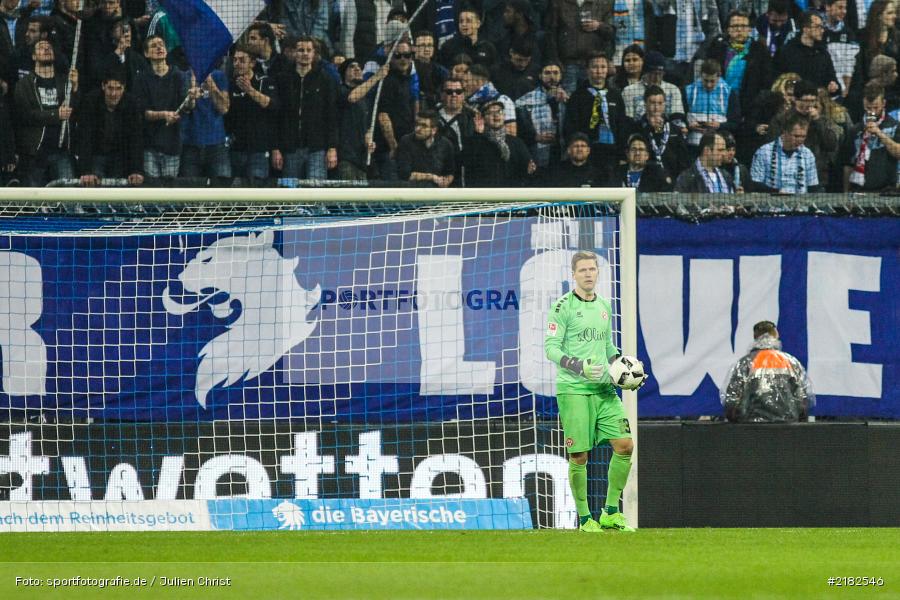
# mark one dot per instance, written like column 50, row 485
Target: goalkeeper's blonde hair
column 584, row 255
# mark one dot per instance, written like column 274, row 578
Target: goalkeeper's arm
column 553, row 349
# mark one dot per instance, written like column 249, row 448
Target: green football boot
column 614, row 521
column 591, row 526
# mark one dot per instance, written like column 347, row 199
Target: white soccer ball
column 627, row 372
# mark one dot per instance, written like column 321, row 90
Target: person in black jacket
column 40, row 114
column 252, row 121
column 493, row 158
column 705, row 176
column 309, row 124
column 8, row 156
column 424, row 156
column 110, row 133
column 599, row 112
column 577, row 171
column 638, row 172
column 668, row 147
column 807, row 55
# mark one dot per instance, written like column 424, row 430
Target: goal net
column 294, row 359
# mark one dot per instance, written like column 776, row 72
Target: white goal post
column 294, row 347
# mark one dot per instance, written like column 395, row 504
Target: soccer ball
column 627, row 372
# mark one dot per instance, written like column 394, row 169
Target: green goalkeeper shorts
column 590, row 420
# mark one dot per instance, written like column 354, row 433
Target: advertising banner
column 431, row 319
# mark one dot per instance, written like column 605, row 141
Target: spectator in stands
column 467, row 41
column 308, row 126
column 823, row 136
column 545, row 107
column 35, row 29
column 261, row 42
column 631, row 69
column 205, row 153
column 576, row 31
column 396, row 111
column 355, row 144
column 8, row 20
column 110, row 133
column 460, row 67
column 711, row 105
column 98, row 39
column 493, row 158
column 767, row 385
column 654, row 67
column 600, row 113
column 774, row 27
column 679, row 28
column 745, row 62
column 638, row 172
column 64, row 20
column 423, row 156
column 518, row 73
column 705, row 176
column 481, row 90
column 883, row 70
column 784, row 85
column 668, row 147
column 439, row 17
column 807, row 55
column 871, row 149
column 40, row 111
column 879, row 37
column 361, row 27
column 252, row 119
column 785, row 165
column 456, row 120
column 841, row 41
column 123, row 56
column 306, row 18
column 8, row 157
column 576, row 170
column 166, row 94
column 431, row 75
column 518, row 27
column 737, row 171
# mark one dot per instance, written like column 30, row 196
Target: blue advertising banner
column 357, row 514
column 430, row 319
column 830, row 284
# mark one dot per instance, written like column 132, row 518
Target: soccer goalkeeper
column 579, row 340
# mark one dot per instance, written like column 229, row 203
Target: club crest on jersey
column 604, row 315
column 569, row 442
column 551, row 329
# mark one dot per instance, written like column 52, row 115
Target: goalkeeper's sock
column 583, row 520
column 611, row 510
column 578, row 484
column 619, row 467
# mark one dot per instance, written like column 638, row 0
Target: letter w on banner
column 207, row 28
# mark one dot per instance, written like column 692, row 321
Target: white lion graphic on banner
column 274, row 308
column 289, row 515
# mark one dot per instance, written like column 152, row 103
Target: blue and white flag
column 209, row 27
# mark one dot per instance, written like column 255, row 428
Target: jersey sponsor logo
column 590, row 334
column 569, row 442
column 551, row 329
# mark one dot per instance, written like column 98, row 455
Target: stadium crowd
column 724, row 96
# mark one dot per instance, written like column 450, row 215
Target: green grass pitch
column 651, row 563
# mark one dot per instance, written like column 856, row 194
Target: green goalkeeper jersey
column 580, row 329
